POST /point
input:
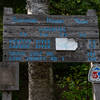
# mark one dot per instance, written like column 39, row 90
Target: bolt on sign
column 94, row 74
column 50, row 38
column 9, row 76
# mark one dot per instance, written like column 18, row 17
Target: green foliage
column 74, row 84
column 73, row 7
column 17, row 5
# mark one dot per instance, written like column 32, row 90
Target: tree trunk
column 37, row 7
column 40, row 84
column 40, row 74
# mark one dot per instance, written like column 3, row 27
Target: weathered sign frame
column 20, row 28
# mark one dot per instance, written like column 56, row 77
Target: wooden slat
column 22, row 19
column 47, row 56
column 51, row 31
column 45, row 43
column 29, row 43
column 51, row 56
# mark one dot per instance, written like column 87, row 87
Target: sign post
column 94, row 77
column 94, row 72
column 96, row 91
column 9, row 74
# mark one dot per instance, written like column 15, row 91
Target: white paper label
column 66, row 44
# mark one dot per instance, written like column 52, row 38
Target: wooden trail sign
column 42, row 38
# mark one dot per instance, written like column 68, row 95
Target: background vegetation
column 70, row 79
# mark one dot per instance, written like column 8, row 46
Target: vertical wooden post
column 6, row 95
column 96, row 87
column 40, row 74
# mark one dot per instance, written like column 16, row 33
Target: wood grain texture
column 9, row 76
column 22, row 19
column 45, row 43
column 52, row 56
column 50, row 31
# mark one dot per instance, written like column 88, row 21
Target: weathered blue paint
column 91, row 59
column 91, row 53
column 16, row 53
column 27, row 43
column 43, row 44
column 92, row 44
column 20, row 43
column 36, row 53
column 57, row 21
column 52, row 29
column 36, row 58
column 82, row 35
column 91, row 56
column 79, row 21
column 63, row 58
column 63, row 34
column 13, row 58
column 14, row 19
column 43, row 34
column 23, row 34
column 54, row 58
column 49, row 53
